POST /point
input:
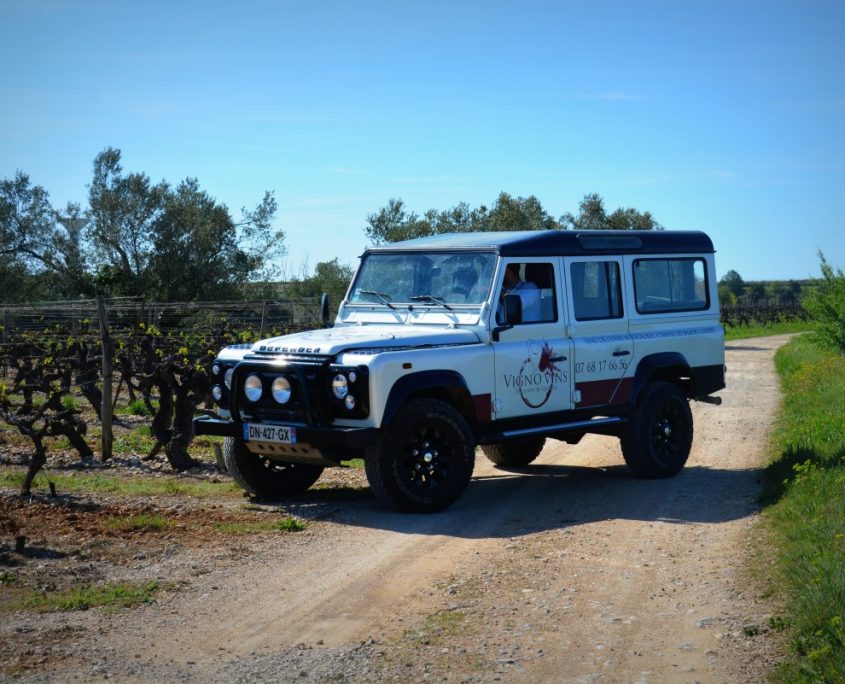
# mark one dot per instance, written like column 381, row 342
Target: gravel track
column 567, row 570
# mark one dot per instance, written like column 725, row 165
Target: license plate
column 254, row 432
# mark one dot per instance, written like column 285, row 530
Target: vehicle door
column 598, row 329
column 532, row 359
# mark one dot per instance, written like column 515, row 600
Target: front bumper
column 320, row 438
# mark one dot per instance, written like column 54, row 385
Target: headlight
column 253, row 387
column 353, row 376
column 281, row 390
column 215, row 369
column 349, row 402
column 340, row 387
column 227, row 378
column 217, row 392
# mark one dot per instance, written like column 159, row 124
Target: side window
column 596, row 290
column 535, row 285
column 670, row 285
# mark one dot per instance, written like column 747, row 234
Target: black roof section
column 562, row 242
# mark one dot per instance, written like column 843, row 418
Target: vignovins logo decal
column 538, row 374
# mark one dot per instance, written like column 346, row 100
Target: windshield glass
column 426, row 279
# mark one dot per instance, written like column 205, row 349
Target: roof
column 562, row 242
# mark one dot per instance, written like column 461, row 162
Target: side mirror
column 325, row 310
column 512, row 313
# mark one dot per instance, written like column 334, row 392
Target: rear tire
column 658, row 437
column 423, row 460
column 263, row 478
column 514, row 453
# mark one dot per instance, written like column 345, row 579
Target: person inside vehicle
column 528, row 292
column 464, row 285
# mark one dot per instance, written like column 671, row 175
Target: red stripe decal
column 598, row 392
column 483, row 407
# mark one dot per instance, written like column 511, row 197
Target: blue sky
column 727, row 117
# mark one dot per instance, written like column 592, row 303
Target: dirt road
column 568, row 570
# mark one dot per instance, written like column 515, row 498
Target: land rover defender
column 496, row 340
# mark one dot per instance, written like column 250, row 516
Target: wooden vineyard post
column 106, row 406
column 264, row 310
column 5, row 339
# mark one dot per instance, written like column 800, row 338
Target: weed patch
column 140, row 522
column 286, row 524
column 129, row 486
column 118, row 595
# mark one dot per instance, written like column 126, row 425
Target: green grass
column 742, row 332
column 140, row 521
column 7, row 578
column 356, row 463
column 137, row 441
column 117, row 595
column 286, row 524
column 129, row 486
column 805, row 497
column 137, row 408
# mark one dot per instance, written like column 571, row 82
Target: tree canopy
column 330, row 277
column 394, row 222
column 135, row 237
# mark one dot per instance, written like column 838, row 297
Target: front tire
column 423, row 460
column 514, row 453
column 263, row 478
column 658, row 437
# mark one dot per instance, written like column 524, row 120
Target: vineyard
column 761, row 313
column 58, row 387
column 69, row 371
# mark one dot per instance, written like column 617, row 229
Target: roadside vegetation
column 762, row 330
column 805, row 514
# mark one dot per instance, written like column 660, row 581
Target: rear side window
column 596, row 290
column 670, row 285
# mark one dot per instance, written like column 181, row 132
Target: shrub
column 827, row 305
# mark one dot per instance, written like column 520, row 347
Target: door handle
column 621, row 352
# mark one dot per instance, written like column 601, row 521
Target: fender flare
column 663, row 361
column 415, row 383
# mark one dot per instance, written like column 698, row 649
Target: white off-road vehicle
column 501, row 340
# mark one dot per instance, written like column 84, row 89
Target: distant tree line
column 132, row 238
column 734, row 290
column 394, row 222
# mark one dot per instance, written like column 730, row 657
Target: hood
column 332, row 341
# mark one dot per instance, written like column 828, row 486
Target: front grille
column 311, row 401
column 304, row 379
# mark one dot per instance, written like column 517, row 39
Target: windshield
column 432, row 279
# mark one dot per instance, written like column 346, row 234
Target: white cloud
column 346, row 171
column 612, row 96
column 428, row 179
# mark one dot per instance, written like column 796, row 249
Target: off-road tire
column 423, row 460
column 263, row 478
column 656, row 441
column 514, row 453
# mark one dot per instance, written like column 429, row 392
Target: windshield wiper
column 431, row 298
column 385, row 299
